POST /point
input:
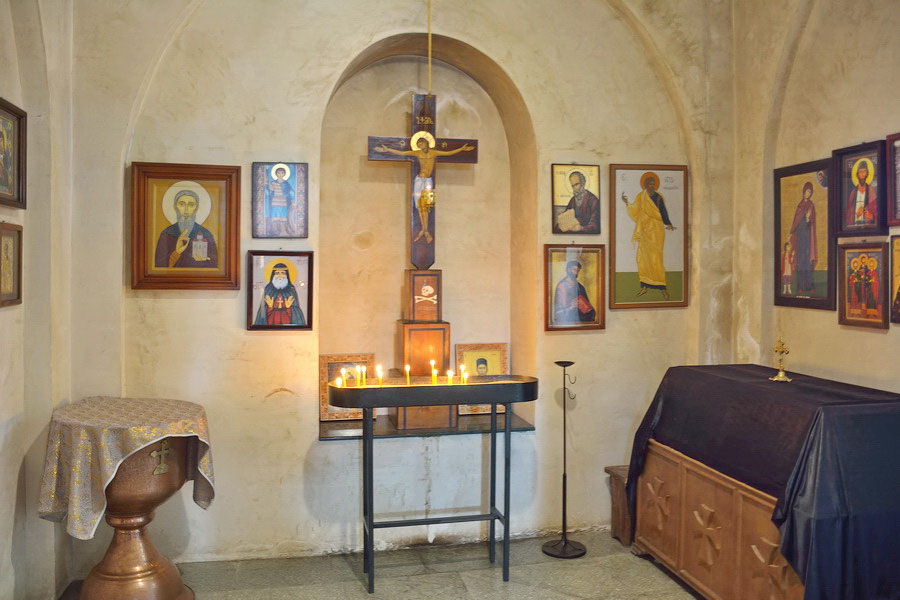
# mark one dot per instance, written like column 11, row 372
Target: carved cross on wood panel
column 779, row 575
column 710, row 535
column 423, row 151
column 659, row 501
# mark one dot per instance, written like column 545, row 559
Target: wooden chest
column 711, row 530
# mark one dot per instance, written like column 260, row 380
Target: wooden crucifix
column 423, row 151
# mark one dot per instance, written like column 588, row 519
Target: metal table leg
column 492, row 537
column 368, row 498
column 507, row 443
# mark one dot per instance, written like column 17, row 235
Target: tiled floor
column 608, row 570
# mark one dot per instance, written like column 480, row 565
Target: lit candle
column 431, row 362
column 364, row 374
column 339, row 382
column 343, row 374
column 434, row 376
column 379, row 373
column 462, row 369
column 407, row 374
column 358, row 376
column 449, row 377
column 465, row 377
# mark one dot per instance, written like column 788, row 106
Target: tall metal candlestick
column 564, row 548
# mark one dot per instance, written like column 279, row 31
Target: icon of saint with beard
column 186, row 243
column 280, row 305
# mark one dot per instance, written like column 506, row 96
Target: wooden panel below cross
column 423, row 295
column 713, row 531
column 420, row 344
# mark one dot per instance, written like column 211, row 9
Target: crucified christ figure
column 423, row 150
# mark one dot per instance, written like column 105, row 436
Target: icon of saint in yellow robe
column 651, row 219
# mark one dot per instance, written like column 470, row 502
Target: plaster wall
column 35, row 75
column 364, row 216
column 188, row 81
column 217, row 83
column 732, row 89
column 829, row 52
column 12, row 371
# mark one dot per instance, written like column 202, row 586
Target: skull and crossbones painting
column 426, row 294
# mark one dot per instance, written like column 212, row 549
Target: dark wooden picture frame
column 575, row 199
column 894, row 295
column 330, row 368
column 13, row 154
column 892, row 178
column 645, row 242
column 804, row 213
column 567, row 307
column 203, row 257
column 861, row 290
column 280, row 200
column 867, row 215
column 10, row 264
column 291, row 305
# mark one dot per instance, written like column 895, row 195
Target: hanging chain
column 429, row 47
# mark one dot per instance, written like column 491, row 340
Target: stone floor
column 607, row 571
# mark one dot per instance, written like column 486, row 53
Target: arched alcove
column 486, row 241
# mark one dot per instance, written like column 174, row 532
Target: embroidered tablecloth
column 89, row 439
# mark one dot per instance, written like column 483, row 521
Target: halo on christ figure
column 204, row 201
column 291, row 267
column 414, row 140
column 870, row 170
column 274, row 169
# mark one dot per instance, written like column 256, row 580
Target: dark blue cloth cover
column 828, row 451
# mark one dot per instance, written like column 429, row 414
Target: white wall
column 731, row 89
column 35, row 74
column 216, row 84
column 12, row 371
column 796, row 108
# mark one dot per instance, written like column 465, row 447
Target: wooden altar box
column 420, row 344
column 423, row 294
column 713, row 531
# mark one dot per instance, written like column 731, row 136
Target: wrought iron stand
column 564, row 548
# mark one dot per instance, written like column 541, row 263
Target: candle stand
column 490, row 389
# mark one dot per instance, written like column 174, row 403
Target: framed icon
column 859, row 190
column 573, row 286
column 13, row 142
column 804, row 246
column 576, row 198
column 892, row 178
column 330, row 366
column 10, row 264
column 280, row 206
column 185, row 225
column 895, row 279
column 648, row 236
column 279, row 290
column 863, row 285
column 482, row 359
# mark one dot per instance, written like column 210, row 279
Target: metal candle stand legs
column 370, row 525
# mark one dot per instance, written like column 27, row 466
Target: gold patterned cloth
column 89, row 439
